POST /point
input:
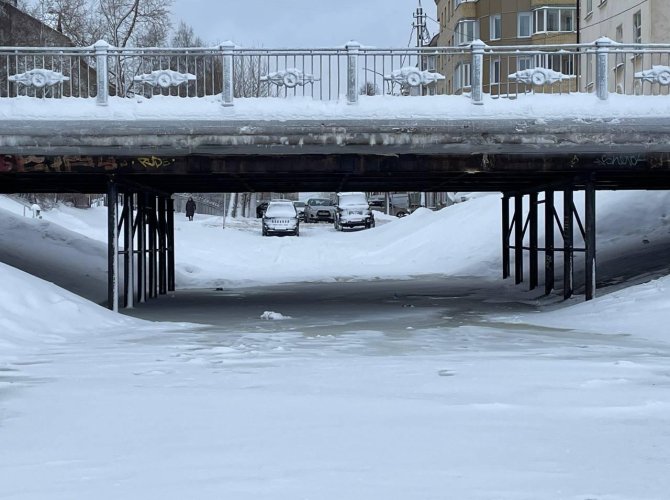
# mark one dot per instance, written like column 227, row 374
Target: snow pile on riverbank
column 67, row 247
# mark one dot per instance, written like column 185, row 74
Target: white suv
column 281, row 218
column 353, row 210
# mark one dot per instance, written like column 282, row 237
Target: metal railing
column 331, row 74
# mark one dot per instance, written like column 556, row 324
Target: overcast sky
column 303, row 23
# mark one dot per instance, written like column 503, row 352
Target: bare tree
column 184, row 36
column 130, row 22
column 74, row 18
column 122, row 23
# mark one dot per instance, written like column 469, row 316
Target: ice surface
column 403, row 368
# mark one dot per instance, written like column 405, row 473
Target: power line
column 618, row 14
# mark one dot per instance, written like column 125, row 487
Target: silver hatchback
column 319, row 210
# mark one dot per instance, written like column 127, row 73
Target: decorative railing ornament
column 165, row 78
column 39, row 78
column 539, row 76
column 657, row 74
column 413, row 77
column 289, row 78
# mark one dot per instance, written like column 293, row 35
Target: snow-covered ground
column 396, row 365
column 566, row 106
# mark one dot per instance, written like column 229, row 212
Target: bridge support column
column 128, row 251
column 590, row 240
column 153, row 251
column 533, row 223
column 568, row 243
column 506, row 230
column 170, row 246
column 162, row 246
column 549, row 267
column 518, row 239
column 113, row 247
column 141, row 248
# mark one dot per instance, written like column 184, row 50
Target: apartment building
column 502, row 23
column 624, row 21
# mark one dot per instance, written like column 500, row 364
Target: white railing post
column 101, row 49
column 352, row 72
column 228, row 49
column 477, row 47
column 602, row 78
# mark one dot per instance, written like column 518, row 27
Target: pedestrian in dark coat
column 190, row 208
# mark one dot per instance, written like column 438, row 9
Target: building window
column 589, row 7
column 549, row 19
column 462, row 76
column 495, row 71
column 525, row 62
column 637, row 27
column 467, row 31
column 619, row 39
column 495, row 27
column 525, row 24
column 430, row 63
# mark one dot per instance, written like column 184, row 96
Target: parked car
column 281, row 218
column 353, row 210
column 300, row 208
column 400, row 204
column 261, row 208
column 319, row 209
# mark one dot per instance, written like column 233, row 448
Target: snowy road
column 378, row 390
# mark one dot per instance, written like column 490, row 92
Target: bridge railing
column 331, row 74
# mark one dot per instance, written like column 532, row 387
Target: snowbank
column 642, row 310
column 34, row 312
column 51, row 251
column 462, row 240
column 565, row 106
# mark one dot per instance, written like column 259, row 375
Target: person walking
column 190, row 208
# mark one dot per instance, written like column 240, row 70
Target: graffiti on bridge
column 33, row 163
column 620, row 160
column 155, row 162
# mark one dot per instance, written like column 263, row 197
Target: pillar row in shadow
column 524, row 225
column 146, row 222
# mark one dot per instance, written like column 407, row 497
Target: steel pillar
column 153, row 252
column 505, row 236
column 113, row 247
column 532, row 221
column 549, row 263
column 141, row 248
column 518, row 239
column 170, row 246
column 162, row 247
column 590, row 240
column 568, row 243
column 128, row 252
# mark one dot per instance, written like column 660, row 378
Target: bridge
column 149, row 122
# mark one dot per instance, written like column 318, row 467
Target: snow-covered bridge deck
column 388, row 143
column 173, row 119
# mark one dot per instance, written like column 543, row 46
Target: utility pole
column 422, row 37
column 419, row 26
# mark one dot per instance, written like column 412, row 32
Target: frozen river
column 421, row 389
